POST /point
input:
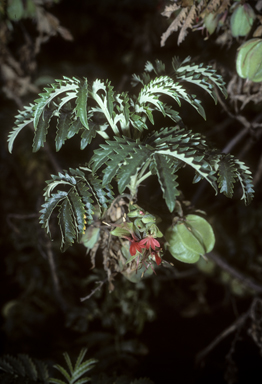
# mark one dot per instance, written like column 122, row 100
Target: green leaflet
column 227, row 176
column 102, row 194
column 88, row 135
column 66, row 224
column 112, row 166
column 78, row 209
column 165, row 169
column 75, row 126
column 63, row 126
column 41, row 131
column 81, row 103
column 100, row 157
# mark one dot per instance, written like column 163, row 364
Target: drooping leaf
column 75, row 205
column 63, row 127
column 203, row 76
column 245, row 177
column 88, row 135
column 24, row 118
column 78, row 209
column 56, row 89
column 165, row 169
column 48, row 208
column 42, row 129
column 74, row 128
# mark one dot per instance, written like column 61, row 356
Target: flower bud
column 249, row 60
column 242, row 20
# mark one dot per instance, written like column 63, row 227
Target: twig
column 100, row 284
column 57, row 288
column 19, row 217
column 232, row 328
column 235, row 140
column 249, row 283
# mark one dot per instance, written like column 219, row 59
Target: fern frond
column 88, row 135
column 204, row 77
column 186, row 147
column 74, row 374
column 175, row 25
column 165, row 85
column 245, row 177
column 24, row 118
column 75, row 206
column 169, row 9
column 230, row 169
column 188, row 23
column 24, row 369
column 56, row 89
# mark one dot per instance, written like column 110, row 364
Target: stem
column 138, row 178
column 133, row 186
column 144, row 168
column 149, row 173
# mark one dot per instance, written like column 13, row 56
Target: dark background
column 112, row 40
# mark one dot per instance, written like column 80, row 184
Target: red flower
column 135, row 246
column 149, row 242
column 158, row 259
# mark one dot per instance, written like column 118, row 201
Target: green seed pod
column 249, row 60
column 242, row 20
column 190, row 239
column 177, row 249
